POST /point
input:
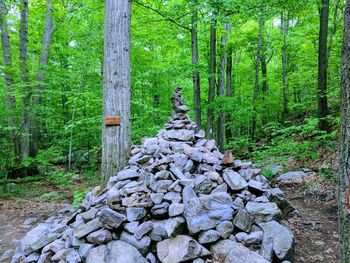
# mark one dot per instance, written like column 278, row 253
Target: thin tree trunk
column 195, row 73
column 263, row 62
column 323, row 66
column 116, row 87
column 344, row 154
column 284, row 29
column 256, row 85
column 11, row 101
column 23, row 57
column 221, row 89
column 44, row 57
column 335, row 27
column 212, row 79
column 229, row 87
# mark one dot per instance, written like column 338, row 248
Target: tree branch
column 162, row 15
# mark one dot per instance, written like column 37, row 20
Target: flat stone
column 131, row 227
column 166, row 228
column 89, row 215
column 172, row 197
column 228, row 251
column 135, row 213
column 157, row 198
column 293, row 176
column 150, row 145
column 283, row 239
column 143, row 229
column 202, row 185
column 207, row 211
column 225, row 229
column 99, row 237
column 180, row 135
column 37, row 238
column 143, row 244
column 234, row 180
column 111, row 219
column 127, row 174
column 179, row 249
column 263, row 212
column 160, row 211
column 84, row 250
column 256, row 186
column 243, row 220
column 115, row 252
column 176, row 209
column 254, row 237
column 208, row 236
column 73, row 256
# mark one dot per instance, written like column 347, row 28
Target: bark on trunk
column 335, row 27
column 212, row 79
column 116, row 87
column 284, row 29
column 257, row 72
column 263, row 62
column 323, row 66
column 44, row 57
column 10, row 98
column 23, row 57
column 344, row 154
column 195, row 73
column 221, row 89
column 229, row 87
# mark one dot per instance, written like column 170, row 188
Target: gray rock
column 291, row 177
column 263, row 212
column 172, row 197
column 34, row 257
column 151, row 258
column 261, row 199
column 54, row 246
column 99, row 237
column 228, row 251
column 127, row 174
column 157, row 198
column 160, row 211
column 84, row 250
column 131, row 227
column 73, row 256
column 115, row 252
column 266, row 250
column 179, row 249
column 234, row 180
column 283, row 239
column 221, row 188
column 241, row 236
column 143, row 229
column 150, row 145
column 197, row 155
column 207, row 211
column 256, row 186
column 177, row 172
column 89, row 215
column 135, row 213
column 247, row 174
column 143, row 244
column 202, row 185
column 60, row 255
column 111, row 219
column 254, row 237
column 161, row 186
column 243, row 220
column 208, row 236
column 45, row 258
column 180, row 135
column 166, row 228
column 225, row 229
column 37, row 238
column 176, row 209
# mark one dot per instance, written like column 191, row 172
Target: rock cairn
column 178, row 200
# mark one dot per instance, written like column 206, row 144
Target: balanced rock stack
column 178, row 200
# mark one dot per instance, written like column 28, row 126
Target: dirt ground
column 315, row 226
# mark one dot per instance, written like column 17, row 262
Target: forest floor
column 315, row 225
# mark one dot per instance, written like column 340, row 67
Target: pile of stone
column 178, row 200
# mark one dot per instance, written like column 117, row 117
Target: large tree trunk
column 323, row 66
column 221, row 89
column 116, row 88
column 284, row 29
column 263, row 62
column 195, row 73
column 23, row 57
column 256, row 84
column 344, row 154
column 11, row 101
column 212, row 79
column 44, row 57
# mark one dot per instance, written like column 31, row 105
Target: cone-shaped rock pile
column 179, row 200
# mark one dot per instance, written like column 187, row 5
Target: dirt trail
column 315, row 226
column 13, row 214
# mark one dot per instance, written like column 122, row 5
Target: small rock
column 208, row 236
column 176, row 209
column 234, row 180
column 135, row 213
column 99, row 237
column 143, row 229
column 111, row 219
